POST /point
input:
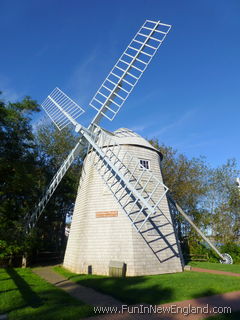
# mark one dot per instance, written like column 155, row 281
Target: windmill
column 123, row 208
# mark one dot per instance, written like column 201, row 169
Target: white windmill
column 122, row 211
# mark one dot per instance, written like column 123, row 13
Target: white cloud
column 138, row 128
column 8, row 93
column 182, row 120
column 80, row 82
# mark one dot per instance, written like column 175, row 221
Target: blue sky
column 189, row 96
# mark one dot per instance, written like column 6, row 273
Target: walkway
column 87, row 295
column 226, row 273
column 96, row 299
column 230, row 299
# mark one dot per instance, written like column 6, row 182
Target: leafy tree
column 223, row 202
column 209, row 196
column 20, row 172
column 27, row 164
column 53, row 147
column 187, row 180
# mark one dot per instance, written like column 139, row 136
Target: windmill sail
column 125, row 74
column 110, row 97
column 35, row 215
column 61, row 109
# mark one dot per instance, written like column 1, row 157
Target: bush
column 7, row 250
column 233, row 249
column 194, row 247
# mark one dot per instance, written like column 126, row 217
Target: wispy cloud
column 80, row 82
column 143, row 99
column 197, row 140
column 142, row 126
column 8, row 93
column 191, row 145
column 182, row 120
column 138, row 128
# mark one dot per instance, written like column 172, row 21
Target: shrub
column 194, row 247
column 233, row 249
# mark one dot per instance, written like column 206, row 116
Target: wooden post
column 24, row 260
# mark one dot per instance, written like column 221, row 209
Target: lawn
column 216, row 266
column 25, row 296
column 157, row 289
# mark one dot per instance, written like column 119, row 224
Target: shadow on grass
column 5, row 279
column 28, row 295
column 8, row 290
column 34, row 299
column 205, row 293
column 125, row 291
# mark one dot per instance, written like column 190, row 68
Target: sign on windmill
column 122, row 213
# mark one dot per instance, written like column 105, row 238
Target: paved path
column 91, row 297
column 226, row 273
column 230, row 299
column 87, row 295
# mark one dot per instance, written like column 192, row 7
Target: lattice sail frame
column 61, row 109
column 125, row 74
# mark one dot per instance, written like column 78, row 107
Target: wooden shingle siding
column 101, row 231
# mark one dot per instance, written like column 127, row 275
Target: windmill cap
column 128, row 137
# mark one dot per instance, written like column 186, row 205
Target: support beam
column 180, row 210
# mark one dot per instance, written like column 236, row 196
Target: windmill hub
column 78, row 128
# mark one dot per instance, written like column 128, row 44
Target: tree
column 209, row 196
column 53, row 147
column 223, row 201
column 20, row 172
column 187, row 180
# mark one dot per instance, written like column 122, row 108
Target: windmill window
column 144, row 164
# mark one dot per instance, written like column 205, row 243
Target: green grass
column 216, row 266
column 159, row 288
column 25, row 296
